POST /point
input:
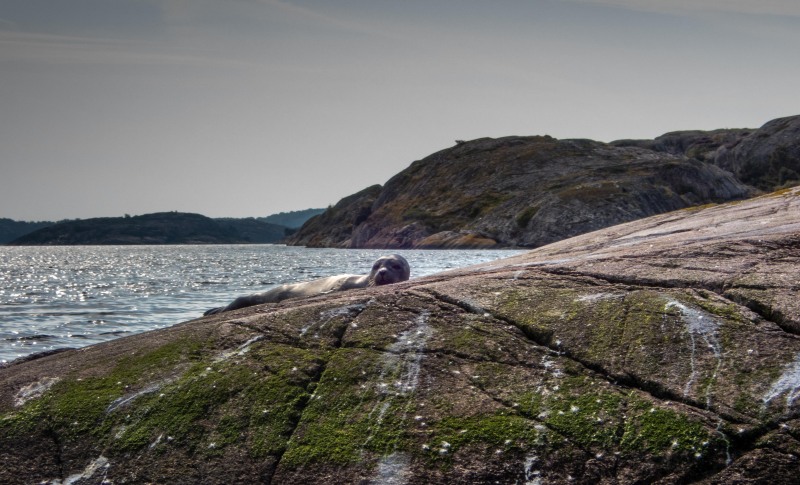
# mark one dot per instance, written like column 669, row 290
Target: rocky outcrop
column 336, row 223
column 665, row 350
column 701, row 145
column 767, row 158
column 517, row 191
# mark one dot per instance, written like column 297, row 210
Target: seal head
column 390, row 269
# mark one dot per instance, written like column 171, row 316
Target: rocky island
column 665, row 350
column 156, row 228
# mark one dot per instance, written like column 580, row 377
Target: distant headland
column 156, row 228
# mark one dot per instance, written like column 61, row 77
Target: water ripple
column 72, row 296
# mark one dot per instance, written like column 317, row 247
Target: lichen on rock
column 644, row 353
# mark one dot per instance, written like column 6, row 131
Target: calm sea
column 72, row 296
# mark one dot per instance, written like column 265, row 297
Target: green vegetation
column 499, row 431
column 210, row 405
column 348, row 415
column 78, row 405
column 658, row 430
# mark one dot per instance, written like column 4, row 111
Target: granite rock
column 665, row 350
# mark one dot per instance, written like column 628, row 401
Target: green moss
column 608, row 324
column 524, row 217
column 256, row 399
column 578, row 408
column 78, row 405
column 501, row 431
column 174, row 409
column 592, row 415
column 341, row 438
column 474, row 340
column 589, row 419
column 531, row 404
column 535, row 309
column 215, row 406
column 349, row 415
column 658, row 430
column 727, row 311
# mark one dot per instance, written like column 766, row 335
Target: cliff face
column 518, row 191
column 335, row 225
column 665, row 350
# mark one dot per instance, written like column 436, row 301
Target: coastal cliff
column 532, row 191
column 665, row 350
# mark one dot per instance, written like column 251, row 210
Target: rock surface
column 665, row 350
column 517, row 191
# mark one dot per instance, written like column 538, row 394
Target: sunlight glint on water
column 72, row 296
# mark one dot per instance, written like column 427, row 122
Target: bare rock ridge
column 767, row 158
column 664, row 350
column 531, row 191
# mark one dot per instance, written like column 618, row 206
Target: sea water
column 72, row 296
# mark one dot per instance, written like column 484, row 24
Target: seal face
column 385, row 271
column 390, row 269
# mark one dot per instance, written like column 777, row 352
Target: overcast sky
column 250, row 107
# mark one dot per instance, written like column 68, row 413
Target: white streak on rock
column 239, row 351
column 531, row 474
column 122, row 401
column 599, row 297
column 788, row 383
column 34, row 390
column 410, row 345
column 91, row 469
column 393, row 469
column 404, row 357
column 329, row 315
column 701, row 324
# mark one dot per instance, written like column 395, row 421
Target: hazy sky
column 250, row 107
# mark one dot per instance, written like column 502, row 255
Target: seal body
column 386, row 270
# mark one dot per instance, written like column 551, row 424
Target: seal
column 386, row 270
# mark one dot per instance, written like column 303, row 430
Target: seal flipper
column 213, row 311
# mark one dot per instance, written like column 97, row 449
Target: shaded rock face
column 518, row 191
column 659, row 351
column 767, row 158
column 334, row 226
column 701, row 145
